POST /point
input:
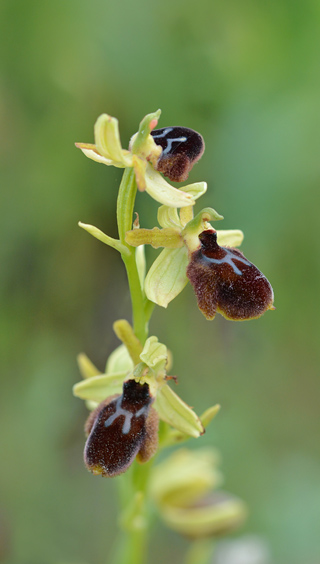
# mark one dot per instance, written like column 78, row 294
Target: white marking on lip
column 228, row 259
column 127, row 416
column 169, row 140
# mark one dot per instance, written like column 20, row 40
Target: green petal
column 99, row 388
column 177, row 413
column 163, row 192
column 167, row 237
column 229, row 237
column 167, row 276
column 125, row 333
column 86, row 367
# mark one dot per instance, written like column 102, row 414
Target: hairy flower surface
column 181, row 149
column 225, row 281
column 121, row 428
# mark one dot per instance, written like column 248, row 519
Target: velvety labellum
column 181, row 149
column 226, row 282
column 118, row 430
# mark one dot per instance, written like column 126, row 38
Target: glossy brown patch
column 181, row 149
column 226, row 282
column 118, row 430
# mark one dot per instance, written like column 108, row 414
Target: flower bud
column 119, row 429
column 212, row 516
column 226, row 282
column 181, row 487
column 181, row 149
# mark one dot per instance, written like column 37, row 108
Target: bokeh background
column 244, row 73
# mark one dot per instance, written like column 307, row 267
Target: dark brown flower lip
column 118, row 431
column 224, row 281
column 182, row 147
column 212, row 253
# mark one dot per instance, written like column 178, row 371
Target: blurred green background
column 246, row 74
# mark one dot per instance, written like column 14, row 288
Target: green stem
column 200, row 552
column 125, row 208
column 125, row 203
column 132, row 544
column 131, row 548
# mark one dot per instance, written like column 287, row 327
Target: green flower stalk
column 134, row 412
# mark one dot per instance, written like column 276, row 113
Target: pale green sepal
column 114, row 243
column 196, row 190
column 167, row 276
column 154, row 352
column 185, row 476
column 125, row 333
column 167, row 237
column 229, row 237
column 141, row 264
column 100, row 387
column 86, row 367
column 90, row 151
column 119, row 361
column 168, row 217
column 177, row 413
column 162, row 192
column 107, row 140
column 173, row 436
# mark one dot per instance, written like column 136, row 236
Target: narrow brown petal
column 181, row 149
column 118, row 430
column 226, row 282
